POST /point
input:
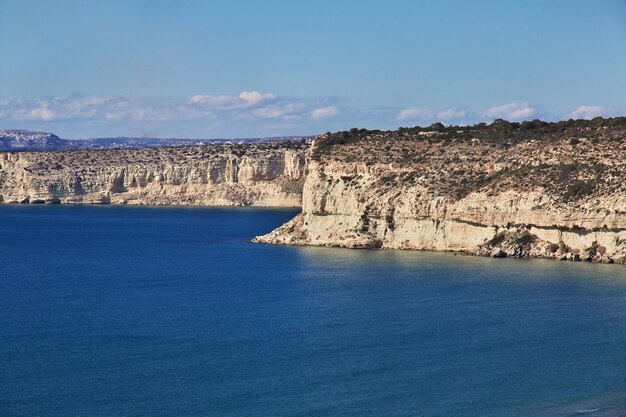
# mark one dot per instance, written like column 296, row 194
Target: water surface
column 120, row 311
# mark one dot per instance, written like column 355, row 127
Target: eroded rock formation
column 535, row 189
column 216, row 175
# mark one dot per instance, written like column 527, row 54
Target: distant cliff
column 534, row 189
column 221, row 175
column 25, row 140
column 20, row 140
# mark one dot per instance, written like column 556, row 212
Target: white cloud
column 254, row 97
column 285, row 109
column 42, row 113
column 245, row 99
column 451, row 113
column 415, row 114
column 112, row 116
column 511, row 111
column 249, row 111
column 323, row 112
column 271, row 112
column 214, row 101
column 52, row 108
column 589, row 112
column 248, row 105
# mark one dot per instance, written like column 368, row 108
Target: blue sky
column 262, row 68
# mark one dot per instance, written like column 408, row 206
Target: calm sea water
column 122, row 311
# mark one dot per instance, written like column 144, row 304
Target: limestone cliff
column 534, row 189
column 222, row 175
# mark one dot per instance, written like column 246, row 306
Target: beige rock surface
column 506, row 190
column 213, row 175
column 461, row 196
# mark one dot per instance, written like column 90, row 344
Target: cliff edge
column 532, row 189
column 215, row 175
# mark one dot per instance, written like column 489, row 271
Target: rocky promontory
column 267, row 174
column 532, row 189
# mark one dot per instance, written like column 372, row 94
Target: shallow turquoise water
column 123, row 311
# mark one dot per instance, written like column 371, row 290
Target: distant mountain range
column 25, row 140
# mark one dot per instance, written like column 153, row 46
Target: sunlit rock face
column 213, row 175
column 513, row 190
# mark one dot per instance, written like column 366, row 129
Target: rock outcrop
column 215, row 175
column 535, row 189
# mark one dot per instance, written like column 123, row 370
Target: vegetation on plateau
column 571, row 159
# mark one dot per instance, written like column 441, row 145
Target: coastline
column 467, row 253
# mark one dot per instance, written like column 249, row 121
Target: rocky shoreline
column 518, row 243
column 516, row 190
column 502, row 190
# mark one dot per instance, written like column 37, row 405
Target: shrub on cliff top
column 500, row 133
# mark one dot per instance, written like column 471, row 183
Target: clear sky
column 260, row 68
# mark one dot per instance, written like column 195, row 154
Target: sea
column 139, row 311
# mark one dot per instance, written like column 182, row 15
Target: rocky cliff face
column 222, row 175
column 519, row 190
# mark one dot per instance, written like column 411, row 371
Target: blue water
column 122, row 311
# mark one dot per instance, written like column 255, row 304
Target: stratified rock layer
column 505, row 190
column 213, row 175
